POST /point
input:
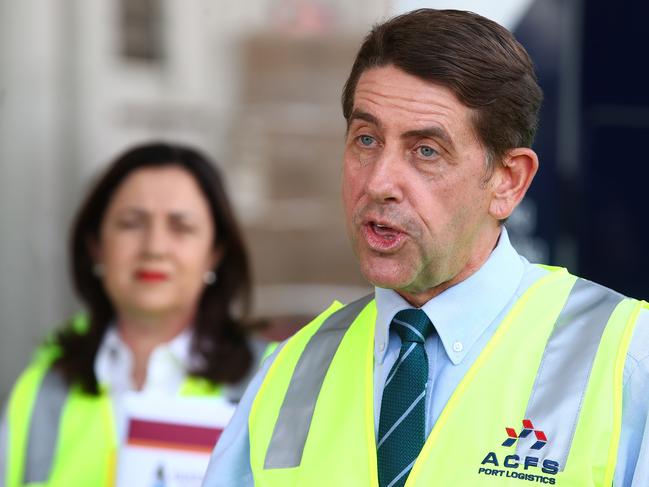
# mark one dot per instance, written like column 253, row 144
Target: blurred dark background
column 589, row 195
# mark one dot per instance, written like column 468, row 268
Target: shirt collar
column 463, row 312
column 114, row 359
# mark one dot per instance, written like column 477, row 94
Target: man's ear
column 510, row 181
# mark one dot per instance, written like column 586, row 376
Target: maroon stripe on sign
column 181, row 434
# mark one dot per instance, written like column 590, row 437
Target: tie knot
column 412, row 325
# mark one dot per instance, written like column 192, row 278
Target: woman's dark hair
column 219, row 337
column 478, row 60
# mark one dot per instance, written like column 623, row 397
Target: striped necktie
column 402, row 425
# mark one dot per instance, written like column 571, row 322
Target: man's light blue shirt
column 465, row 317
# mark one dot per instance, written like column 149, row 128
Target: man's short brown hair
column 478, row 60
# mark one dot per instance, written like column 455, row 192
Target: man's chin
column 385, row 275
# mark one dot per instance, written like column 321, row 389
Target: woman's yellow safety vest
column 540, row 405
column 82, row 450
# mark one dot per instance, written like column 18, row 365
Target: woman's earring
column 209, row 277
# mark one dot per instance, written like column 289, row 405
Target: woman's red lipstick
column 151, row 276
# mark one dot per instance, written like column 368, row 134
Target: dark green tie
column 402, row 425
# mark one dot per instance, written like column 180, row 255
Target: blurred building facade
column 255, row 85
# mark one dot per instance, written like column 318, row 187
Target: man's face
column 414, row 190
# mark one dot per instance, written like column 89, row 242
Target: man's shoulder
column 637, row 357
column 541, row 269
column 638, row 353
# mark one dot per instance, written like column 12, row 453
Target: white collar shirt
column 166, row 370
column 461, row 332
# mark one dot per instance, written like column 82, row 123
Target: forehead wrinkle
column 411, row 102
column 390, row 90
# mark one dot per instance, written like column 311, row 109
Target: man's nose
column 385, row 178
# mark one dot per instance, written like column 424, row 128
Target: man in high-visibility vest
column 468, row 365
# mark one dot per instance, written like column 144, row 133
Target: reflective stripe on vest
column 557, row 394
column 562, row 378
column 48, row 410
column 41, row 443
column 292, row 427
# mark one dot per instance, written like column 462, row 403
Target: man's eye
column 366, row 140
column 426, row 151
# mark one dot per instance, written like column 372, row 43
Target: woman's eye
column 366, row 140
column 426, row 151
column 183, row 229
column 128, row 224
column 181, row 226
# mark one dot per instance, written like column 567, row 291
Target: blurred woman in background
column 159, row 262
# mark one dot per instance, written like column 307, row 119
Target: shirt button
column 458, row 347
column 382, row 346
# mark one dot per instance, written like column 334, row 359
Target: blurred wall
column 612, row 174
column 37, row 176
column 81, row 80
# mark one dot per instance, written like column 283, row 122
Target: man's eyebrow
column 361, row 115
column 433, row 132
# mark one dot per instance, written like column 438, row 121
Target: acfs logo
column 528, row 467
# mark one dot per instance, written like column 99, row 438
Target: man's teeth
column 383, row 229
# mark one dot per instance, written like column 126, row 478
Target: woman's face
column 155, row 244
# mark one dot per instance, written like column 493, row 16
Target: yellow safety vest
column 59, row 436
column 540, row 405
